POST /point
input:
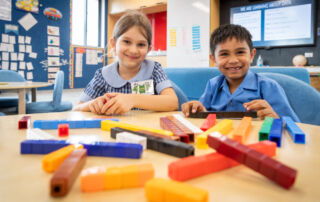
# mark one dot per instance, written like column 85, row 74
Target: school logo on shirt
column 142, row 87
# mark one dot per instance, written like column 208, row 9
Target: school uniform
column 107, row 79
column 217, row 96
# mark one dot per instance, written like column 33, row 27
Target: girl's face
column 131, row 48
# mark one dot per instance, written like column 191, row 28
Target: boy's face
column 233, row 58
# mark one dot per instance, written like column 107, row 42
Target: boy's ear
column 252, row 54
column 213, row 59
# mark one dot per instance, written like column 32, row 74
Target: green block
column 265, row 129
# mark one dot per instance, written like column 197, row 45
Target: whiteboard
column 188, row 33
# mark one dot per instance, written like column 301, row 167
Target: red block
column 24, row 122
column 63, row 130
column 209, row 122
column 285, row 176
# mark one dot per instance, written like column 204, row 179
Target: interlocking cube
column 127, row 137
column 24, row 122
column 63, row 130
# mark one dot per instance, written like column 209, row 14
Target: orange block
column 146, row 172
column 92, row 179
column 113, row 178
column 130, row 176
column 243, row 129
column 52, row 161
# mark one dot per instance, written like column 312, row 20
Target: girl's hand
column 195, row 106
column 97, row 104
column 262, row 107
column 118, row 103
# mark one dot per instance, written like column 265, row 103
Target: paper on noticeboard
column 27, row 21
column 5, row 10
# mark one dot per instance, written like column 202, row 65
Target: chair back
column 303, row 98
column 58, row 89
column 10, row 76
column 182, row 98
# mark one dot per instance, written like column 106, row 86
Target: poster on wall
column 5, row 10
column 28, row 5
column 188, row 44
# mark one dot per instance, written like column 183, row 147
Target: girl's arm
column 119, row 103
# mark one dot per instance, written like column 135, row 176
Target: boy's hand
column 195, row 106
column 262, row 108
column 97, row 104
column 118, row 103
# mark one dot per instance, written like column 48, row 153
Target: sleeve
column 160, row 78
column 274, row 94
column 206, row 97
column 95, row 88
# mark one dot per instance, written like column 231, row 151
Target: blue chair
column 10, row 76
column 56, row 105
column 2, row 114
column 303, row 98
column 182, row 98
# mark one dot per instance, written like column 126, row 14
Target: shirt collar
column 111, row 75
column 247, row 83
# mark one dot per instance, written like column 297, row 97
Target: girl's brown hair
column 130, row 19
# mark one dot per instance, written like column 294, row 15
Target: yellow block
column 224, row 127
column 113, row 178
column 160, row 190
column 52, row 161
column 108, row 124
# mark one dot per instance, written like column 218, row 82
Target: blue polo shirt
column 217, row 96
column 107, row 79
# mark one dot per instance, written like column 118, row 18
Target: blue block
column 112, row 149
column 295, row 132
column 50, row 124
column 72, row 124
column 37, row 124
column 276, row 131
column 25, row 148
column 41, row 146
column 95, row 123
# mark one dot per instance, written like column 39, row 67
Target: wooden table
column 21, row 88
column 22, row 178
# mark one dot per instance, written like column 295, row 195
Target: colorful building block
column 41, row 146
column 275, row 134
column 241, row 132
column 99, row 178
column 51, row 161
column 188, row 124
column 169, row 125
column 173, row 148
column 162, row 190
column 127, row 137
column 272, row 169
column 223, row 115
column 63, row 130
column 265, row 129
column 66, row 174
column 297, row 135
column 196, row 166
column 108, row 124
column 209, row 122
column 53, row 124
column 24, row 122
column 224, row 127
column 174, row 138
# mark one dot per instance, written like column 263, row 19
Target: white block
column 127, row 137
column 188, row 124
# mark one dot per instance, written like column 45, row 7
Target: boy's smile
column 233, row 58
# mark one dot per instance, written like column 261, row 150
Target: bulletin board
column 83, row 64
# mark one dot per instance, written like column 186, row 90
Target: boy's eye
column 223, row 54
column 241, row 52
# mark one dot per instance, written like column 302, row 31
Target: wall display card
column 52, row 76
column 22, row 65
column 21, row 73
column 11, row 28
column 53, row 69
column 52, row 50
column 29, row 75
column 21, row 39
column 33, row 55
column 28, row 5
column 21, row 56
column 27, row 21
column 12, row 39
column 5, row 38
column 13, row 66
column 5, row 56
column 29, row 66
column 53, row 40
column 78, row 67
column 28, row 49
column 3, row 47
column 51, row 81
column 5, row 10
column 10, row 47
column 92, row 57
column 28, row 40
column 53, row 30
column 22, row 48
column 14, row 57
column 53, row 61
column 5, row 65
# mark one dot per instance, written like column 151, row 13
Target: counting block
column 127, row 137
column 169, row 125
column 24, row 122
column 265, row 129
column 295, row 132
column 275, row 134
column 243, row 129
column 272, row 169
column 63, row 179
column 63, row 130
column 209, row 122
column 41, row 146
column 223, row 115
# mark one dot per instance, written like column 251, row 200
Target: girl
column 132, row 81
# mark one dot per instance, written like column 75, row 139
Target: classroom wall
column 276, row 56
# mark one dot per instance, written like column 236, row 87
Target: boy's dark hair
column 224, row 32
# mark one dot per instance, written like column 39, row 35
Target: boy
column 238, row 89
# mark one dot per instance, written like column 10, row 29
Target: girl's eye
column 126, row 41
column 141, row 44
